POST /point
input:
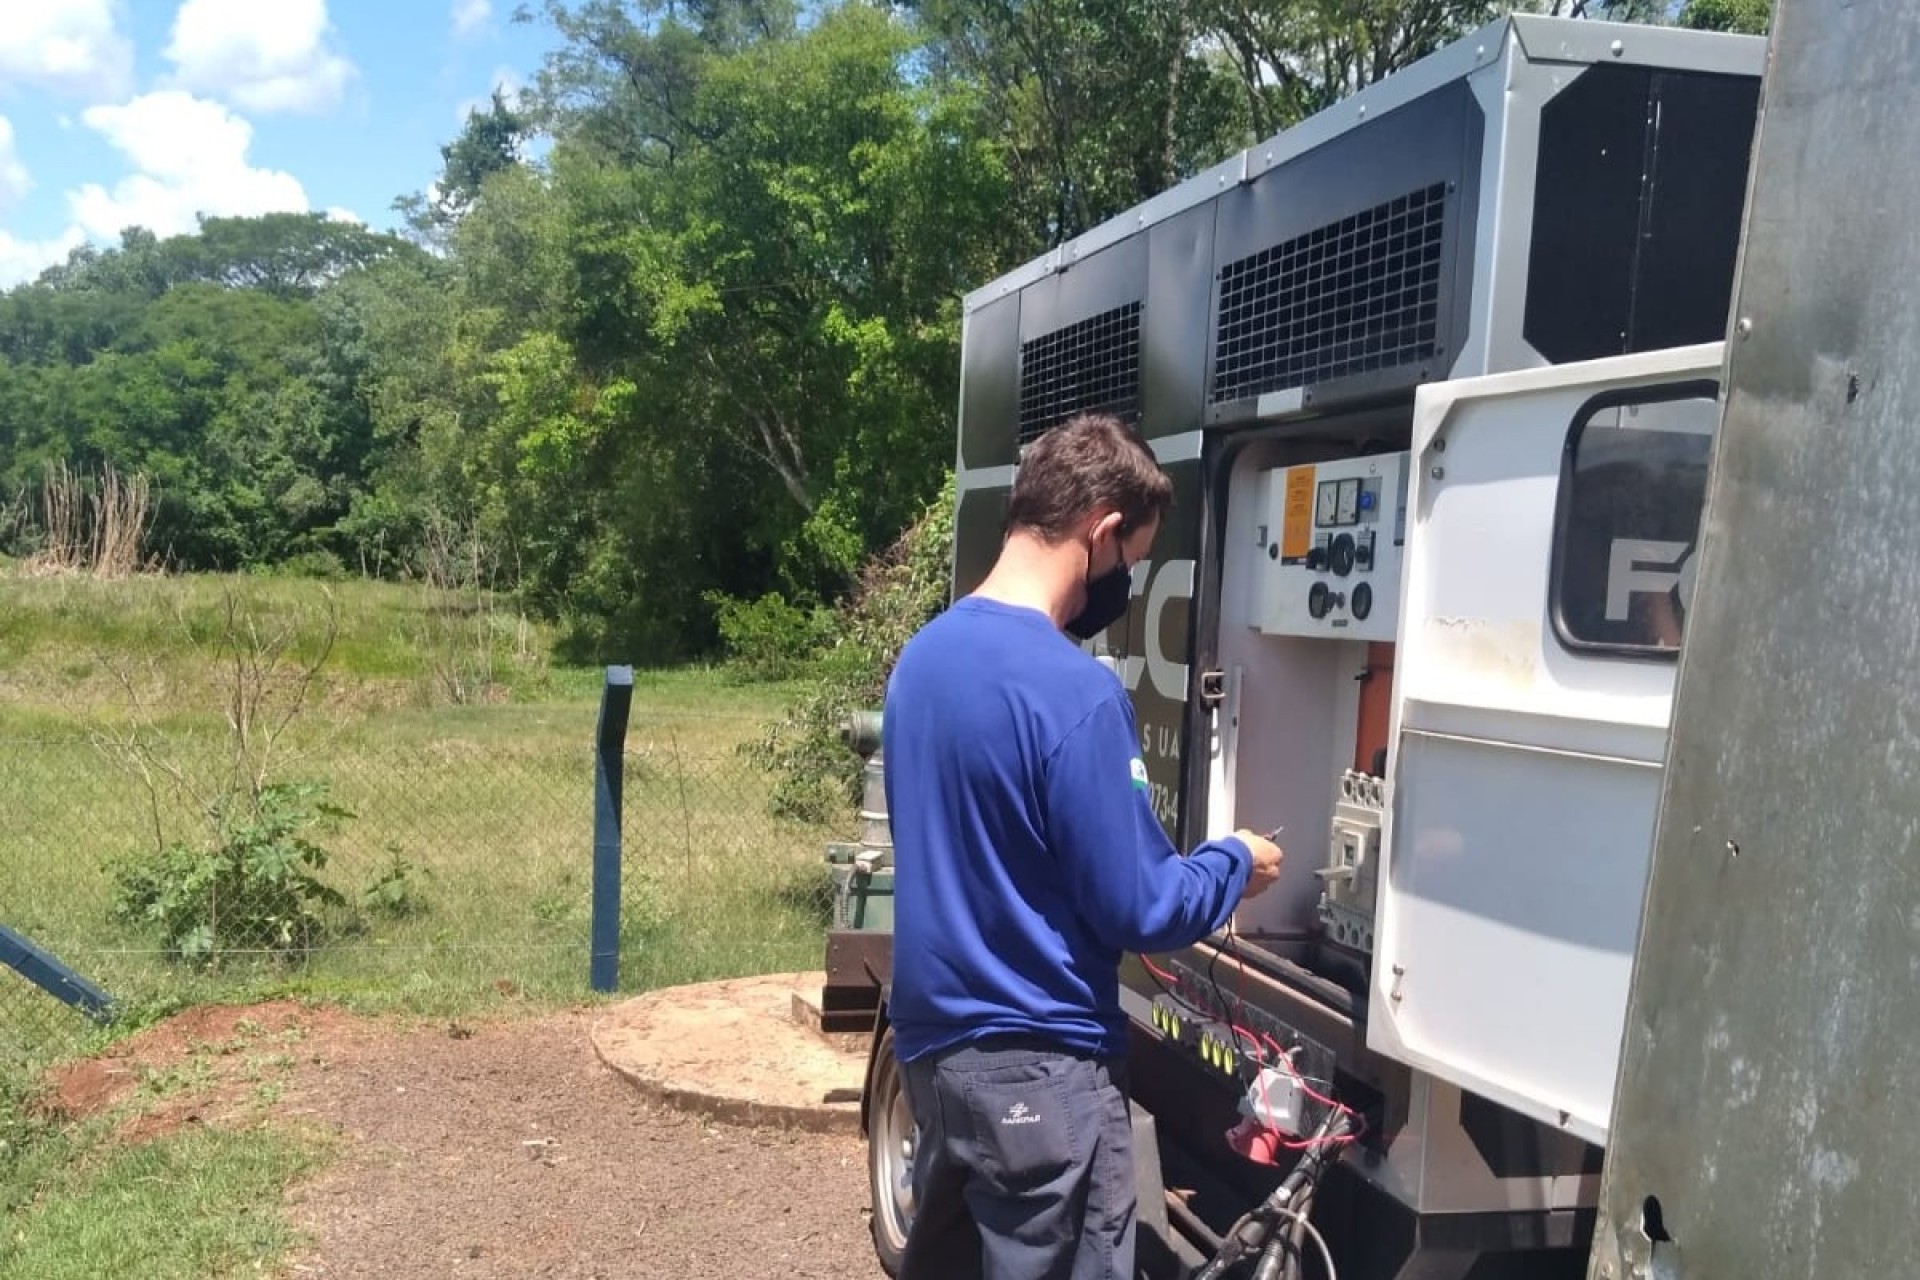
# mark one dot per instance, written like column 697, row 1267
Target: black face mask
column 1107, row 599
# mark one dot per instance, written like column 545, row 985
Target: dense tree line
column 679, row 324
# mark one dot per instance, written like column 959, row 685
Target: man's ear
column 1106, row 523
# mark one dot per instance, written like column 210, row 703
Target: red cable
column 1174, row 984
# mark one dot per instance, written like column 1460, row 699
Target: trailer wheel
column 892, row 1141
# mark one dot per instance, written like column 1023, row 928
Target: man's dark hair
column 1091, row 460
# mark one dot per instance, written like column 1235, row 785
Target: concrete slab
column 733, row 1050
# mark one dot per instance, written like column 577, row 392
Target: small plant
column 395, row 893
column 255, row 888
column 472, row 631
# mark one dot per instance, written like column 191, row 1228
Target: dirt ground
column 499, row 1150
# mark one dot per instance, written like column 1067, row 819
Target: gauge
column 1324, row 510
column 1347, row 508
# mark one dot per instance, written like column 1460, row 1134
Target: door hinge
column 1213, row 689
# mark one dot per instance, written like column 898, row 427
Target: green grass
column 199, row 1204
column 464, row 753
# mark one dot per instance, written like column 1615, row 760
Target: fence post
column 616, row 698
column 45, row 970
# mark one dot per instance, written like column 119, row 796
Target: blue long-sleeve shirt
column 1028, row 857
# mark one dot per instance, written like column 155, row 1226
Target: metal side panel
column 1525, row 770
column 1174, row 330
column 1569, row 40
column 979, row 526
column 1766, row 1116
column 989, row 385
column 1150, row 646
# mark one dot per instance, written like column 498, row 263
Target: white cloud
column 278, row 56
column 189, row 157
column 336, row 214
column 470, row 16
column 14, row 180
column 24, row 259
column 67, row 46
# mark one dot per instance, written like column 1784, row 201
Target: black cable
column 1214, row 980
column 1254, row 1229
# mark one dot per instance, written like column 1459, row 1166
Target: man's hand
column 1267, row 857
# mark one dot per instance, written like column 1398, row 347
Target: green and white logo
column 1139, row 773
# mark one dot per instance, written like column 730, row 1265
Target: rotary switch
column 1340, row 555
column 1362, row 601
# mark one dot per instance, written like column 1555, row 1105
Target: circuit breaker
column 1334, row 534
column 1353, row 861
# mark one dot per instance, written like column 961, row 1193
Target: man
column 1030, row 862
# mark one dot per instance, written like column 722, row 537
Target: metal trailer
column 1435, row 374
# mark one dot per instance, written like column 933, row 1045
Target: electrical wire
column 1169, row 984
column 1233, row 943
column 1319, row 1241
column 1290, row 1201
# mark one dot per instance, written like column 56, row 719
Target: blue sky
column 124, row 112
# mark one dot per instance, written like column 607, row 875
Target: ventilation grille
column 1094, row 364
column 1352, row 296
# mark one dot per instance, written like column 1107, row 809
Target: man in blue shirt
column 1030, row 862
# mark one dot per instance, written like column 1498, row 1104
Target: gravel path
column 503, row 1150
column 514, row 1153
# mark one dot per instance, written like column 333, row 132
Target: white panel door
column 1551, row 527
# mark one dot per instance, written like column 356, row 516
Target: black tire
column 892, row 1141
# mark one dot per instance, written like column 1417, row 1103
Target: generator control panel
column 1333, row 536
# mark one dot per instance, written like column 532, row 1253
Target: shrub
column 816, row 776
column 256, row 887
column 320, row 564
column 768, row 638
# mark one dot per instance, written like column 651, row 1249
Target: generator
column 1435, row 376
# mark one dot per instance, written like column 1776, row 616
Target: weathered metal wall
column 1767, row 1117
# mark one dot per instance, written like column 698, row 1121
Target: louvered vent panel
column 1350, row 297
column 1092, row 364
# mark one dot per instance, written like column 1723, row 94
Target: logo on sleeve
column 1139, row 774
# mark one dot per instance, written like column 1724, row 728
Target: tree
column 759, row 234
column 1299, row 58
column 1096, row 104
column 291, row 254
column 488, row 143
column 1753, row 17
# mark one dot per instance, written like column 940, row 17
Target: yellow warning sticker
column 1296, row 537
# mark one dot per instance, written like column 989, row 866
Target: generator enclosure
column 1364, row 587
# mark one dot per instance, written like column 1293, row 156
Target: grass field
column 439, row 723
column 198, row 1203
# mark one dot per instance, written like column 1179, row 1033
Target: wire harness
column 1274, row 1230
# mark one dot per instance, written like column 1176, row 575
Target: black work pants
column 1024, row 1167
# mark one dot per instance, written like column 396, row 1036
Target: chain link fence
column 427, row 864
